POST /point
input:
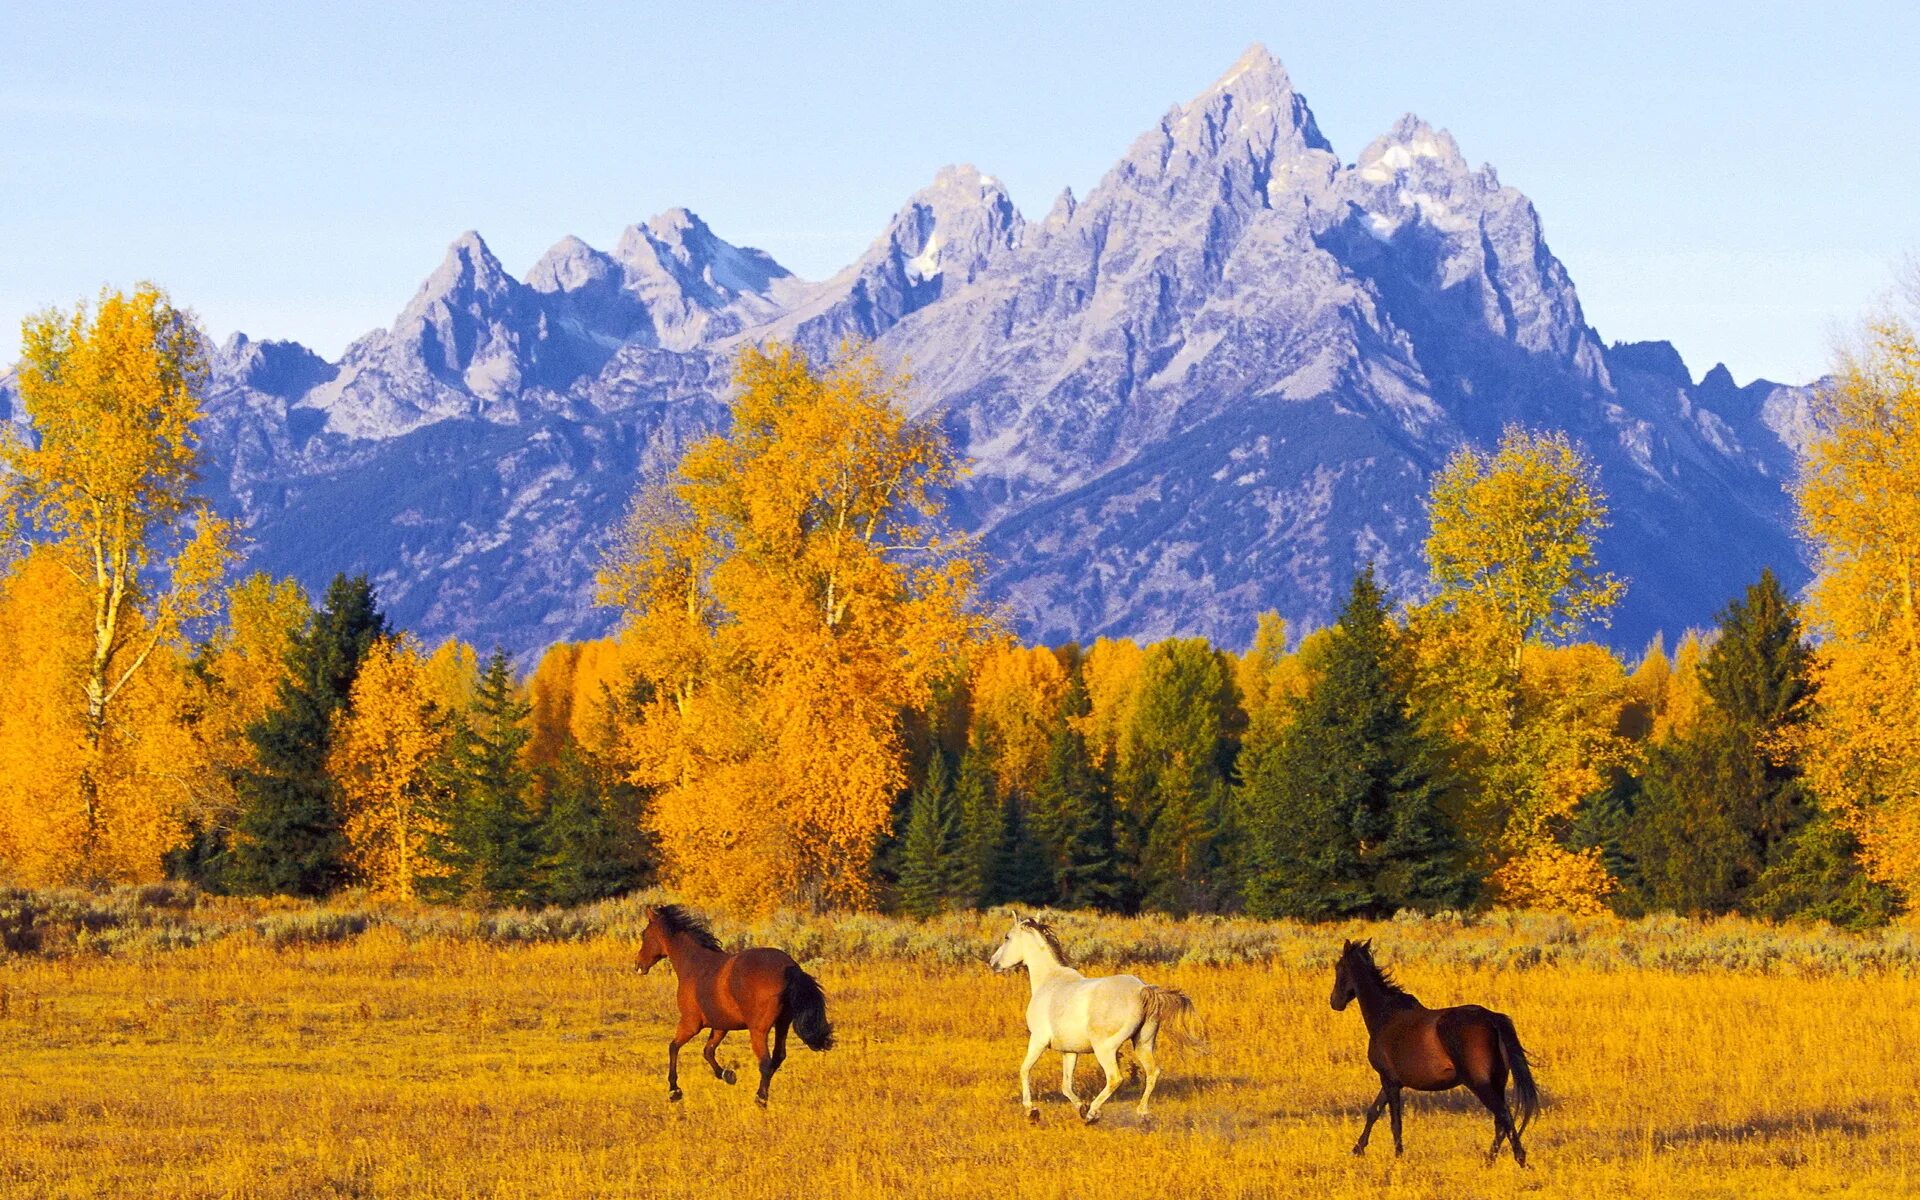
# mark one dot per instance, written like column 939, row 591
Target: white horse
column 1077, row 1015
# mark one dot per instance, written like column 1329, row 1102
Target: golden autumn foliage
column 1859, row 497
column 1548, row 876
column 789, row 593
column 246, row 661
column 452, row 676
column 1535, row 728
column 1513, row 539
column 103, row 492
column 384, row 749
column 144, row 763
column 1017, row 696
column 1684, row 700
column 1111, row 670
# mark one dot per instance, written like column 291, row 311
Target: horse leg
column 1067, row 1061
column 1143, row 1050
column 713, row 1043
column 1393, row 1102
column 767, row 1065
column 1494, row 1097
column 682, row 1034
column 1374, row 1110
column 1109, row 1059
column 1036, row 1046
column 780, row 1028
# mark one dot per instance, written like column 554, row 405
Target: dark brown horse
column 760, row 991
column 1434, row 1049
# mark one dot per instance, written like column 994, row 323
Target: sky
column 1743, row 182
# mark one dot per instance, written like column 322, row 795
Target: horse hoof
column 760, row 1100
column 1359, row 1151
column 1033, row 1114
column 728, row 1076
column 675, row 1094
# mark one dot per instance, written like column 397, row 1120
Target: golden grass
column 443, row 1066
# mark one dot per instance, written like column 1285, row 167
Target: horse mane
column 1050, row 937
column 675, row 919
column 1359, row 956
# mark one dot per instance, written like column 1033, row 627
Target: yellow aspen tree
column 246, row 659
column 1563, row 749
column 1017, row 693
column 1513, row 539
column 1111, row 672
column 104, row 484
column 1512, row 554
column 789, row 593
column 1647, row 690
column 1686, row 699
column 388, row 740
column 550, row 692
column 452, row 676
column 601, row 680
column 1859, row 500
column 147, row 765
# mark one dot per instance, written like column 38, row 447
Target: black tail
column 806, row 1004
column 1524, row 1089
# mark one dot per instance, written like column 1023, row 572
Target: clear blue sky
column 1743, row 182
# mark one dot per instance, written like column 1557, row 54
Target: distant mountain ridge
column 1216, row 385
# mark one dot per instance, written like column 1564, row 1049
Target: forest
column 808, row 704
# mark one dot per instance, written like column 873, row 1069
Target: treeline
column 807, row 703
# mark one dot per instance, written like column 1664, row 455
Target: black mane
column 675, row 919
column 1359, row 957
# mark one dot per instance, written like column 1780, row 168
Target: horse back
column 744, row 992
column 1432, row 1049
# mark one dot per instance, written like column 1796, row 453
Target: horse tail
column 1524, row 1089
column 806, row 1005
column 1171, row 1011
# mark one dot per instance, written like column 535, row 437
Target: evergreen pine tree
column 928, row 853
column 1076, row 805
column 982, row 831
column 1344, row 805
column 1175, row 781
column 589, row 833
column 288, row 833
column 1721, row 805
column 1021, row 874
column 492, row 840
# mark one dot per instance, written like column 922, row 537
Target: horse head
column 1344, row 990
column 1012, row 950
column 653, row 943
column 1029, row 940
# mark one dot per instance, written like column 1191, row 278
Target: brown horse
column 1434, row 1049
column 755, row 990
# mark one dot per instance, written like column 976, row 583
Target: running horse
column 1434, row 1049
column 761, row 991
column 1076, row 1015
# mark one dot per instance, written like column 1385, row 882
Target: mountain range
column 1216, row 385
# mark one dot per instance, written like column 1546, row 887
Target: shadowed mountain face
column 1217, row 384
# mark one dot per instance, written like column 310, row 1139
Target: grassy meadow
column 158, row 1044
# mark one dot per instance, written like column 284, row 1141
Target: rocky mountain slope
column 1216, row 385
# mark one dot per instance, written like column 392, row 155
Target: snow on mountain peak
column 1410, row 143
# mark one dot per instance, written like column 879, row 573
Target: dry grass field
column 415, row 1058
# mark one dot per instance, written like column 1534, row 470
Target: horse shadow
column 1855, row 1121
